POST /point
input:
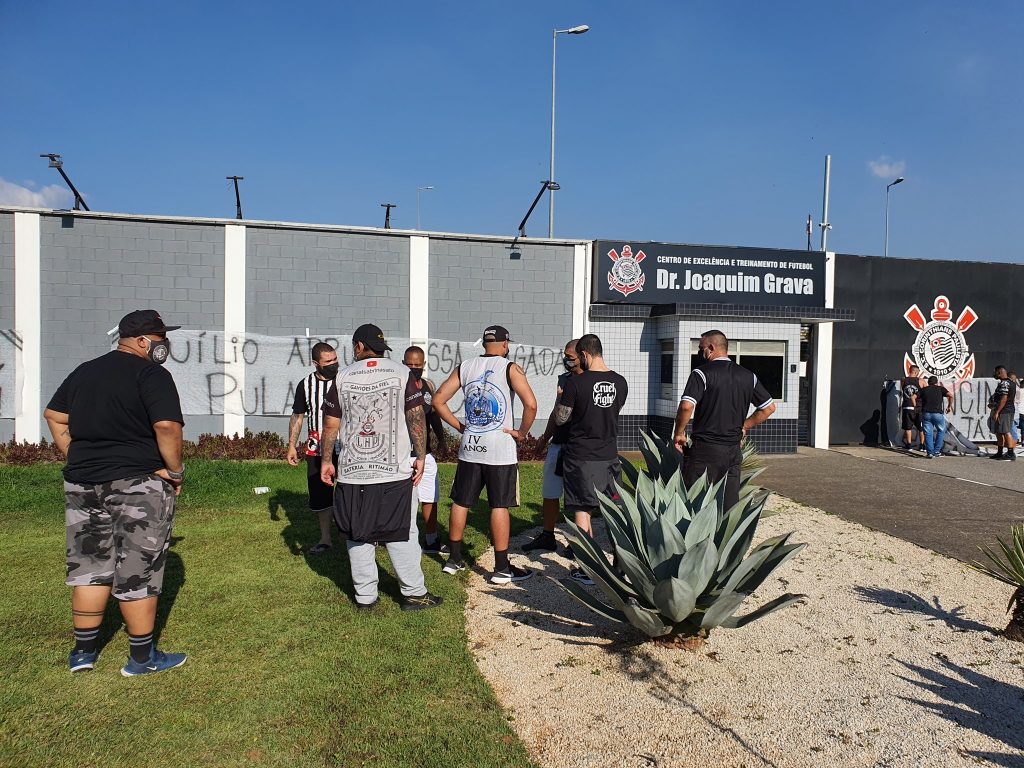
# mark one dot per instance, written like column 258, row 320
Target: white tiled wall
column 633, row 348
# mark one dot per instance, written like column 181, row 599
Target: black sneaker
column 996, row 456
column 578, row 574
column 1007, row 457
column 1013, row 456
column 366, row 607
column 451, row 567
column 437, row 548
column 567, row 552
column 545, row 541
column 511, row 574
column 421, row 602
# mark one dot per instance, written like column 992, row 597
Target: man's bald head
column 716, row 341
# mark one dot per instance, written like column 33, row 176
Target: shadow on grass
column 911, row 603
column 174, row 579
column 976, row 702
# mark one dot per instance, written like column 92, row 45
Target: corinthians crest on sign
column 626, row 276
column 940, row 348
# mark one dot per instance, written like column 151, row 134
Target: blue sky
column 685, row 122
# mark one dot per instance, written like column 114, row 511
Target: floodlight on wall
column 56, row 162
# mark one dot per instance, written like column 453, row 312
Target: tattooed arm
column 59, row 428
column 562, row 414
column 417, row 424
column 294, row 427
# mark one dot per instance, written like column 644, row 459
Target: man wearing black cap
column 375, row 409
column 487, row 451
column 118, row 421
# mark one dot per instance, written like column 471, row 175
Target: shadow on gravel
column 977, row 702
column 911, row 603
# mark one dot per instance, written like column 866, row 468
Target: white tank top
column 487, row 411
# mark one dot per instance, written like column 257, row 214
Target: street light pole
column 579, row 30
column 418, row 190
column 899, row 180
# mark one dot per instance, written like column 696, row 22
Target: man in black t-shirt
column 1001, row 418
column 718, row 396
column 427, row 491
column 554, row 438
column 590, row 405
column 118, row 421
column 935, row 400
column 308, row 406
column 911, row 387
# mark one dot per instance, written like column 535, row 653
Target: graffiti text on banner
column 205, row 366
column 971, row 409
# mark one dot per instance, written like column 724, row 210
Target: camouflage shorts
column 118, row 533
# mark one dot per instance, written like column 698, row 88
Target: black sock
column 456, row 551
column 501, row 560
column 140, row 647
column 546, row 534
column 85, row 640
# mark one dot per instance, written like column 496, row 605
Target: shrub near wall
column 265, row 446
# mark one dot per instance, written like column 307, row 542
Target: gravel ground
column 890, row 661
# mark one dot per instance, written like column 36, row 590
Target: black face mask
column 569, row 363
column 159, row 351
column 417, row 373
column 329, row 371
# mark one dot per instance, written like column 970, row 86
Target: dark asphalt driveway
column 950, row 505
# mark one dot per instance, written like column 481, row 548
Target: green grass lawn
column 281, row 670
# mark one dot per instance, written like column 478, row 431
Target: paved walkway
column 950, row 505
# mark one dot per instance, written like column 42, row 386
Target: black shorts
column 321, row 495
column 500, row 480
column 377, row 512
column 911, row 419
column 583, row 479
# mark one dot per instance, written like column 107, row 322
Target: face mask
column 417, row 373
column 329, row 371
column 569, row 363
column 159, row 351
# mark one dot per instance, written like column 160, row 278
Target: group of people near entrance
column 925, row 407
column 118, row 421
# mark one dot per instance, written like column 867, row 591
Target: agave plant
column 1009, row 569
column 681, row 565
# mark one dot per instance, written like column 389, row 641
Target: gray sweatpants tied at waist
column 405, row 557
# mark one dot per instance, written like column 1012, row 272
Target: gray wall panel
column 329, row 282
column 94, row 271
column 534, row 300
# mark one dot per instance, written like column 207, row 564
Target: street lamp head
column 578, row 30
column 55, row 161
column 899, row 180
column 423, row 188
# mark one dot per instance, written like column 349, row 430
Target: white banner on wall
column 10, row 365
column 206, row 367
column 971, row 409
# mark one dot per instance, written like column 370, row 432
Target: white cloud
column 887, row 168
column 51, row 196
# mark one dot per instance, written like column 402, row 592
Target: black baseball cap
column 495, row 333
column 371, row 336
column 143, row 321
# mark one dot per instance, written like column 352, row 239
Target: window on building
column 766, row 359
column 668, row 369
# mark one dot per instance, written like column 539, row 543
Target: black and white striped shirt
column 309, row 400
column 722, row 393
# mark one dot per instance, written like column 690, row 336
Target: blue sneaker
column 82, row 661
column 158, row 662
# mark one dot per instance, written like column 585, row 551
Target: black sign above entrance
column 662, row 273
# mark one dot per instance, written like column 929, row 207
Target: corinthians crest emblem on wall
column 940, row 348
column 626, row 276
